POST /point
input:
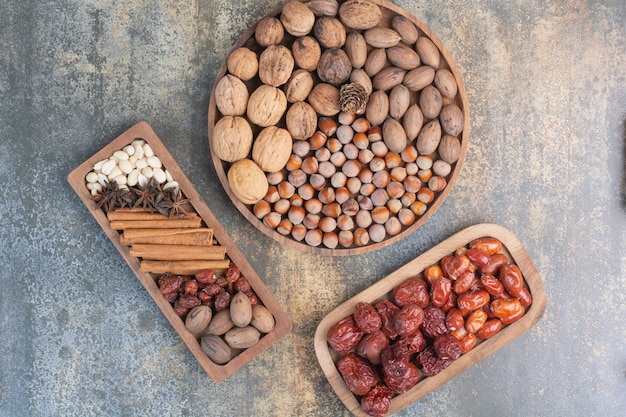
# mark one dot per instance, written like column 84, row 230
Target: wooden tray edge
column 76, row 179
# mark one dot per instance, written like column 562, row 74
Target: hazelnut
column 330, row 240
column 298, row 232
column 346, row 238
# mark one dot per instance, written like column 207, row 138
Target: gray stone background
column 79, row 334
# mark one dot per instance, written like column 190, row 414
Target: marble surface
column 80, row 335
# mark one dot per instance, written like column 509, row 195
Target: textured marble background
column 79, row 335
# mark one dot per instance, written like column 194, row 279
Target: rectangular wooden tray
column 283, row 324
column 380, row 290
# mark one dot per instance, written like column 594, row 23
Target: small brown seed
column 272, row 219
column 313, row 206
column 380, row 197
column 353, row 185
column 311, row 221
column 261, row 209
column 318, row 140
column 350, row 207
column 282, row 206
column 317, row 182
column 326, row 169
column 301, row 148
column 306, row 191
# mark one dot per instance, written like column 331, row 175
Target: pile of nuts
column 221, row 310
column 427, row 322
column 337, row 127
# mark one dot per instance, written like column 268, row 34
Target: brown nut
column 306, row 52
column 446, row 83
column 430, row 102
column 247, row 181
column 356, row 49
column 403, row 56
column 405, row 28
column 266, row 105
column 360, row 14
column 198, row 318
column 275, row 65
column 449, row 149
column 301, row 120
column 429, row 137
column 269, row 31
column 220, row 324
column 243, row 63
column 394, row 136
column 216, row 349
column 231, row 96
column 388, row 78
column 330, row 32
column 334, row 66
column 377, row 108
column 413, row 121
column 242, row 337
column 451, row 118
column 272, row 149
column 420, row 77
column 428, row 52
column 299, row 86
column 381, row 37
column 240, row 310
column 359, row 76
column 325, row 99
column 232, row 138
column 262, row 319
column 297, row 18
column 399, row 100
column 375, row 62
column 323, row 7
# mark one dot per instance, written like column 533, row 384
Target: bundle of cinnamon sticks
column 180, row 244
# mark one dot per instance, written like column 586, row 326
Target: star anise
column 144, row 195
column 176, row 201
column 112, row 196
column 160, row 201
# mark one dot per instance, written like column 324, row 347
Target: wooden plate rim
column 283, row 324
column 460, row 100
column 414, row 267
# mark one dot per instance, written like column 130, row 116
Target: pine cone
column 352, row 98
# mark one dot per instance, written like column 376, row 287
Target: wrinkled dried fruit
column 367, row 318
column 344, row 335
column 358, row 374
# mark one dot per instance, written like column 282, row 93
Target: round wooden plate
column 389, row 10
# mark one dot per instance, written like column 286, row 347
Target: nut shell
column 247, row 181
column 429, row 138
column 405, row 28
column 388, row 78
column 330, row 32
column 240, row 310
column 403, row 56
column 297, row 18
column 380, row 37
column 451, row 117
column 232, row 138
column 394, row 135
column 198, row 318
column 323, row 7
column 334, row 66
column 275, row 65
column 325, row 99
column 299, row 86
column 243, row 63
column 377, row 108
column 242, row 337
column 272, row 149
column 356, row 49
column 301, row 120
column 216, row 349
column 266, row 105
column 231, row 96
column 360, row 14
column 269, row 31
column 262, row 319
column 449, row 149
column 306, row 52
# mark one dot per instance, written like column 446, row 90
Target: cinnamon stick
column 181, row 267
column 191, row 236
column 141, row 214
column 177, row 252
column 166, row 223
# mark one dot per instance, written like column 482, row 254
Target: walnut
column 334, row 66
column 299, row 86
column 247, row 181
column 243, row 63
column 266, row 105
column 306, row 52
column 325, row 99
column 269, row 31
column 231, row 96
column 275, row 65
column 232, row 138
column 297, row 18
column 272, row 149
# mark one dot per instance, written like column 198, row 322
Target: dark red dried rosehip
column 254, row 299
column 180, row 310
column 367, row 318
column 412, row 291
column 387, row 311
column 188, row 301
column 372, row 345
column 429, row 363
column 206, row 276
column 376, row 403
column 407, row 321
column 169, row 284
column 358, row 374
column 447, row 347
column 222, row 301
column 402, row 383
column 243, row 285
column 171, row 297
column 191, row 287
column 344, row 335
column 434, row 322
column 414, row 343
column 213, row 289
column 233, row 273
